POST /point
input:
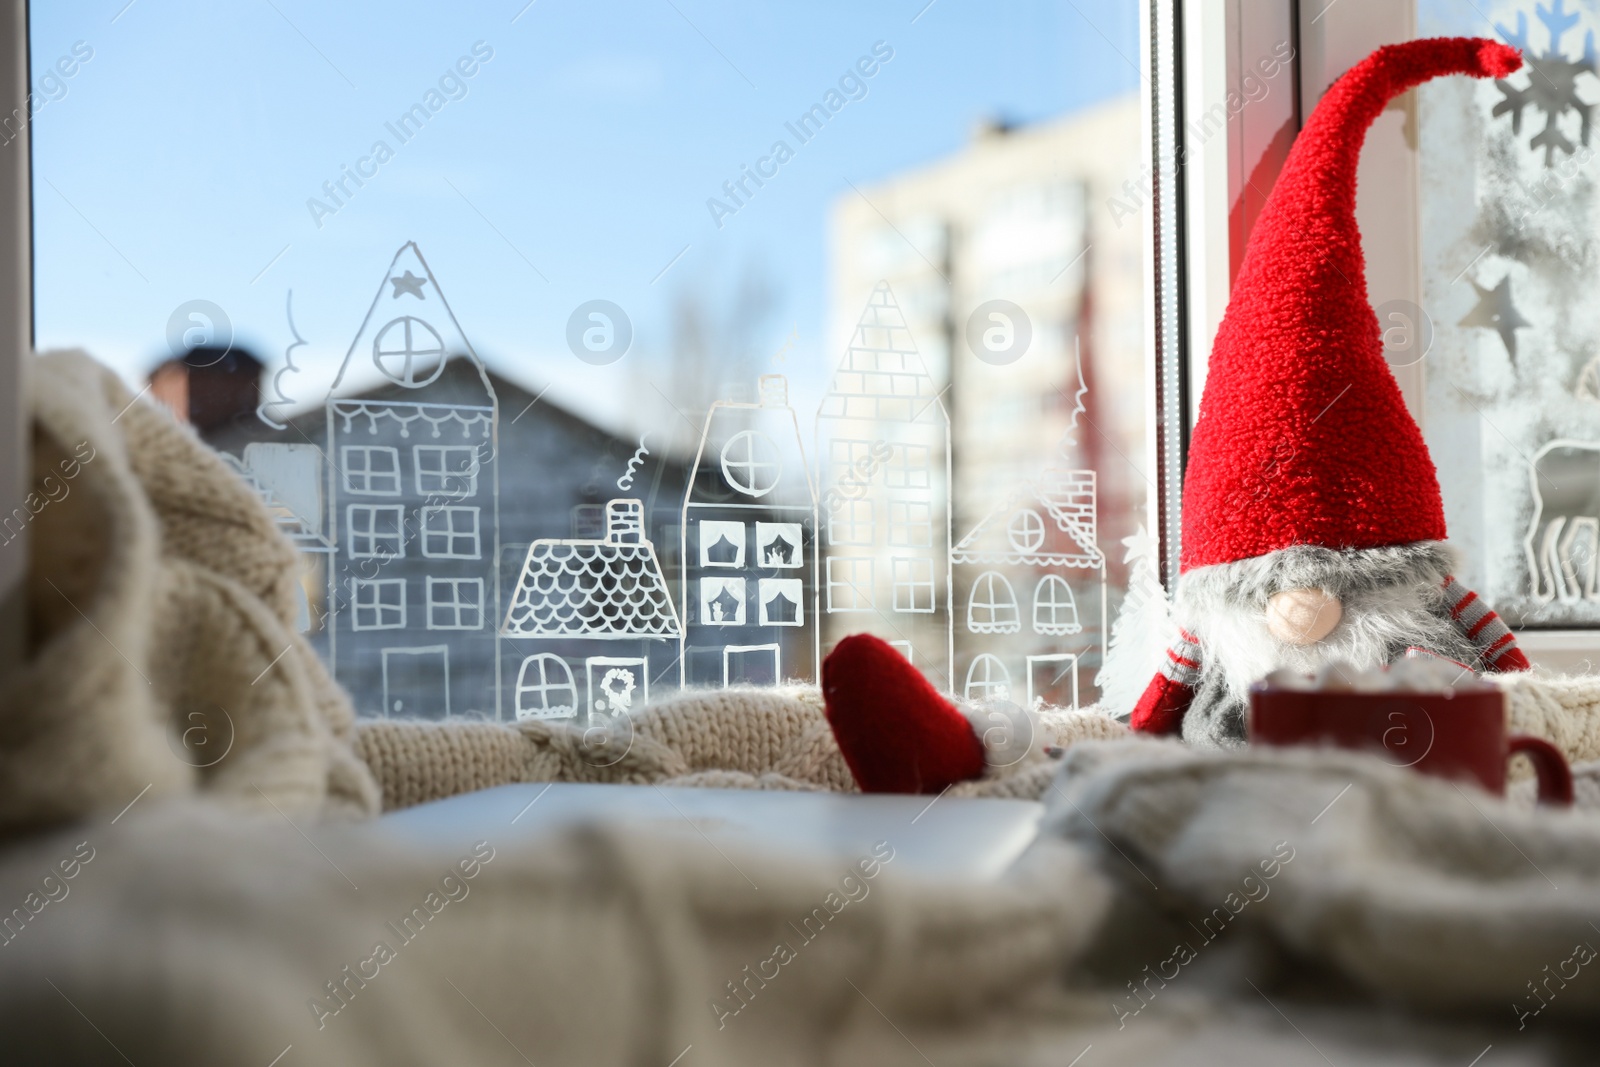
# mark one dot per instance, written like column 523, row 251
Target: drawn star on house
column 408, row 283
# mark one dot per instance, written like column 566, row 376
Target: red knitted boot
column 897, row 733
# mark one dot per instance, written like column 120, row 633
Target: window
column 908, row 467
column 1026, row 531
column 988, row 679
column 910, row 524
column 913, row 584
column 450, row 533
column 1055, row 612
column 992, row 607
column 852, row 461
column 446, row 470
column 455, row 603
column 371, row 469
column 378, row 603
column 545, row 689
column 376, row 531
column 849, row 584
column 850, row 522
column 751, row 463
column 409, row 352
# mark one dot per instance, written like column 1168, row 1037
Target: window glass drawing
column 409, row 352
column 378, row 603
column 850, row 522
column 450, row 532
column 455, row 603
column 750, row 463
column 545, row 689
column 1026, row 531
column 850, row 585
column 987, row 679
column 371, row 469
column 910, row 524
column 446, row 470
column 376, row 531
column 992, row 607
column 913, row 584
column 722, row 544
column 780, row 545
column 722, row 601
column 1055, row 610
column 782, row 601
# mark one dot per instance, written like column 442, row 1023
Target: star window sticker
column 408, row 283
column 1496, row 312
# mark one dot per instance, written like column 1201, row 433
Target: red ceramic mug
column 1459, row 735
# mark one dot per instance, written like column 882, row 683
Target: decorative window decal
column 782, row 601
column 913, row 584
column 908, row 468
column 416, row 681
column 371, row 469
column 722, row 601
column 1055, row 610
column 376, row 531
column 1026, row 531
column 992, row 606
column 409, row 352
column 988, row 679
column 751, row 463
column 780, row 544
column 850, row 583
column 850, row 522
column 721, row 544
column 545, row 689
column 618, row 685
column 751, row 665
column 446, row 470
column 910, row 524
column 455, row 603
column 451, row 533
column 378, row 603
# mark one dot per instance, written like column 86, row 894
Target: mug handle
column 1555, row 778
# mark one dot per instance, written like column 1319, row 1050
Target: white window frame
column 544, row 661
column 852, row 564
column 911, row 523
column 439, row 490
column 455, row 603
column 913, row 575
column 908, row 467
column 993, row 581
column 847, row 527
column 974, row 689
column 358, row 586
column 372, row 511
column 1054, row 627
column 348, row 471
column 449, row 534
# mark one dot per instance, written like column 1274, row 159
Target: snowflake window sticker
column 1552, row 81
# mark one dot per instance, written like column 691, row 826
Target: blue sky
column 176, row 163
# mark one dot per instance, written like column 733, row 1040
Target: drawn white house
column 748, row 547
column 591, row 623
column 413, row 503
column 1031, row 579
column 883, row 474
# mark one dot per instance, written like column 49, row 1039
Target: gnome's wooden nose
column 1302, row 616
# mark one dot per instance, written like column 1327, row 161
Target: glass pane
column 589, row 353
column 1508, row 243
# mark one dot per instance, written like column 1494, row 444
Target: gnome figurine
column 1313, row 527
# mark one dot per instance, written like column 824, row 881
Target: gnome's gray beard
column 1392, row 598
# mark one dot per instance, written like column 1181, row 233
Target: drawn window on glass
column 455, row 603
column 545, row 689
column 851, row 523
column 852, row 460
column 782, row 601
column 910, row 524
column 913, row 584
column 780, row 545
column 907, row 468
column 446, row 470
column 378, row 603
column 1055, row 610
column 409, row 352
column 377, row 531
column 992, row 607
column 1026, row 531
column 721, row 544
column 450, row 533
column 988, row 679
column 850, row 584
column 373, row 469
column 722, row 601
column 751, row 463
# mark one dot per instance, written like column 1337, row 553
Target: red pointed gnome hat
column 1303, row 438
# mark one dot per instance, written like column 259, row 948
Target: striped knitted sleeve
column 1496, row 645
column 1160, row 710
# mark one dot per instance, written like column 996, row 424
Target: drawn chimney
column 624, row 522
column 774, row 389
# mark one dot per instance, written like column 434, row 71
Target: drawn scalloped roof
column 882, row 375
column 1068, row 497
column 591, row 589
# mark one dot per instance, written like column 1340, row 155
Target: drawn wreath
column 620, row 697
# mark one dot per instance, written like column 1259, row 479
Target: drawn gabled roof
column 882, row 375
column 608, row 588
column 1068, row 498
